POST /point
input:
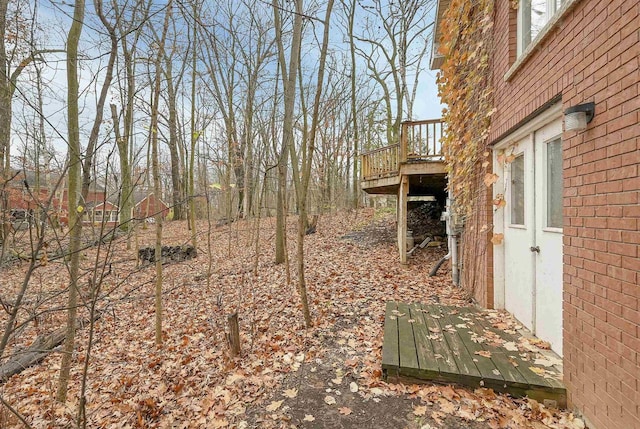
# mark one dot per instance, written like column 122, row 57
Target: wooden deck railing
column 381, row 162
column 419, row 141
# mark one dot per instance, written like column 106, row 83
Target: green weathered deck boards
column 523, row 366
column 500, row 359
column 443, row 354
column 446, row 345
column 406, row 340
column 464, row 360
column 486, row 366
column 426, row 354
column 390, row 350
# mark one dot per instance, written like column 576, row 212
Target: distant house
column 147, row 205
column 27, row 201
column 98, row 207
column 561, row 246
column 106, row 212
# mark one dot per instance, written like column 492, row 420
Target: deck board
column 464, row 360
column 443, row 354
column 406, row 340
column 448, row 345
column 390, row 351
column 485, row 365
column 426, row 355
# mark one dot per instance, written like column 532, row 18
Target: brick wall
column 592, row 55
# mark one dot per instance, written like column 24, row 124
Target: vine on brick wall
column 464, row 85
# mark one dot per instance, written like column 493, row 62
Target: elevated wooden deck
column 459, row 345
column 419, row 153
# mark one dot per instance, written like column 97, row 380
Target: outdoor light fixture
column 577, row 117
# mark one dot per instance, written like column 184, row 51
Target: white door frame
column 552, row 113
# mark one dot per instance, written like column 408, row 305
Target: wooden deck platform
column 459, row 345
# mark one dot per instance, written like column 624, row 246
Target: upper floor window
column 533, row 15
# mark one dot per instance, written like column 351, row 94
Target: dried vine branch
column 464, row 85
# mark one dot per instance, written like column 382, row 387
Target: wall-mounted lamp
column 577, row 117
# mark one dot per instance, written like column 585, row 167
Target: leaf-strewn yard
column 327, row 376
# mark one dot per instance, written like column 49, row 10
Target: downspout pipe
column 452, row 243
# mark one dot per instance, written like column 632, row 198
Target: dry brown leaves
column 192, row 382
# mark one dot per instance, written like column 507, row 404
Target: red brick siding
column 591, row 56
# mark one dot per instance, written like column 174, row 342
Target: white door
column 548, row 234
column 519, row 232
column 533, row 233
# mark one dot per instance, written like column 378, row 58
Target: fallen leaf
column 511, row 346
column 308, row 418
column 438, row 416
column 290, row 393
column 233, row 378
column 220, row 423
column 274, row 405
column 376, row 391
column 420, row 410
column 540, row 343
column 329, row 400
column 483, row 353
column 446, row 406
column 345, row 411
column 353, row 387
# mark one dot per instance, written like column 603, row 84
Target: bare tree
column 77, row 207
column 129, row 32
column 393, row 44
column 153, row 137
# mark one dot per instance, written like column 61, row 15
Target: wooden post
column 403, row 142
column 233, row 337
column 403, row 191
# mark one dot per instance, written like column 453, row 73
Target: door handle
column 535, row 249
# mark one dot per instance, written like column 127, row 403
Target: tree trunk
column 194, row 135
column 173, row 145
column 126, row 201
column 75, row 209
column 306, row 166
column 289, row 78
column 78, row 207
column 153, row 133
column 354, row 110
column 5, row 126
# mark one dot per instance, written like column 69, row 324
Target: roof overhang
column 436, row 58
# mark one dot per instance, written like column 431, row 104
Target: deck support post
column 401, row 213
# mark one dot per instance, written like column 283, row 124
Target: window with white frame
column 114, row 216
column 533, row 15
column 98, row 215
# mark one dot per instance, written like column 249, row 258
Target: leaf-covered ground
column 325, row 377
